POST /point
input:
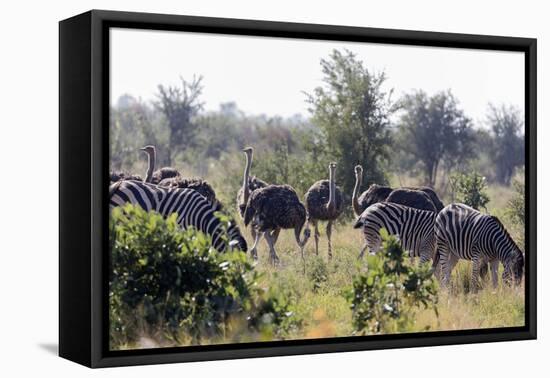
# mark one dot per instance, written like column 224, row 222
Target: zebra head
column 513, row 270
column 236, row 239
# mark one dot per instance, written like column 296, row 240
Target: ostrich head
column 248, row 151
column 149, row 150
column 358, row 170
column 332, row 167
column 331, row 205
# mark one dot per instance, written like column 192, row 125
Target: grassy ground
column 326, row 313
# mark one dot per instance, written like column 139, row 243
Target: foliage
column 133, row 118
column 385, row 299
column 516, row 205
column 508, row 147
column 273, row 315
column 516, row 208
column 173, row 280
column 470, row 189
column 433, row 130
column 352, row 111
column 280, row 166
column 180, row 105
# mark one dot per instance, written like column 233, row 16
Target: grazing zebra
column 413, row 227
column 464, row 233
column 192, row 208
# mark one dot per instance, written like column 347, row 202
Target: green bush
column 516, row 206
column 173, row 283
column 470, row 189
column 385, row 298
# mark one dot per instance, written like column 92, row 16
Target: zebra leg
column 271, row 242
column 483, row 269
column 257, row 236
column 494, row 273
column 329, row 234
column 448, row 262
column 474, row 282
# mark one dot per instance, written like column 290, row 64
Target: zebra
column 192, row 208
column 413, row 227
column 464, row 233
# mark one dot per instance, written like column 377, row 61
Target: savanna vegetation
column 169, row 287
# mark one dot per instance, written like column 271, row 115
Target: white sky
column 269, row 75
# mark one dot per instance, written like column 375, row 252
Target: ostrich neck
column 150, row 167
column 246, row 189
column 331, row 192
column 355, row 195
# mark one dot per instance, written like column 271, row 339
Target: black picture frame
column 83, row 180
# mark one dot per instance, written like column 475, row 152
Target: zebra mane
column 506, row 233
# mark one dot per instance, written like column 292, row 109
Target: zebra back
column 414, row 227
column 192, row 208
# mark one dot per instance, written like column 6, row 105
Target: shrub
column 516, row 206
column 173, row 282
column 470, row 189
column 385, row 298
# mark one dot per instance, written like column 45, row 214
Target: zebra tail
column 113, row 188
column 437, row 257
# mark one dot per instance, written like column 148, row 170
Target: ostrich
column 152, row 176
column 324, row 202
column 374, row 194
column 271, row 209
column 422, row 198
column 115, row 176
column 195, row 183
column 250, row 184
column 412, row 198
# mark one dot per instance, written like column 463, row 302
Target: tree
column 130, row 128
column 470, row 189
column 435, row 131
column 508, row 149
column 352, row 111
column 180, row 105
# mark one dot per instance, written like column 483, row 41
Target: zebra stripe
column 413, row 227
column 465, row 233
column 192, row 208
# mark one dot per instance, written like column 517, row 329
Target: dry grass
column 326, row 313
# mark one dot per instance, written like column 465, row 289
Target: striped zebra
column 192, row 208
column 413, row 227
column 464, row 233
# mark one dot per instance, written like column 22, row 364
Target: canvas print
column 267, row 189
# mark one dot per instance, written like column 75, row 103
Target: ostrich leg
column 329, row 233
column 316, row 235
column 257, row 236
column 269, row 237
column 275, row 234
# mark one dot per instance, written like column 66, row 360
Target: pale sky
column 269, row 75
